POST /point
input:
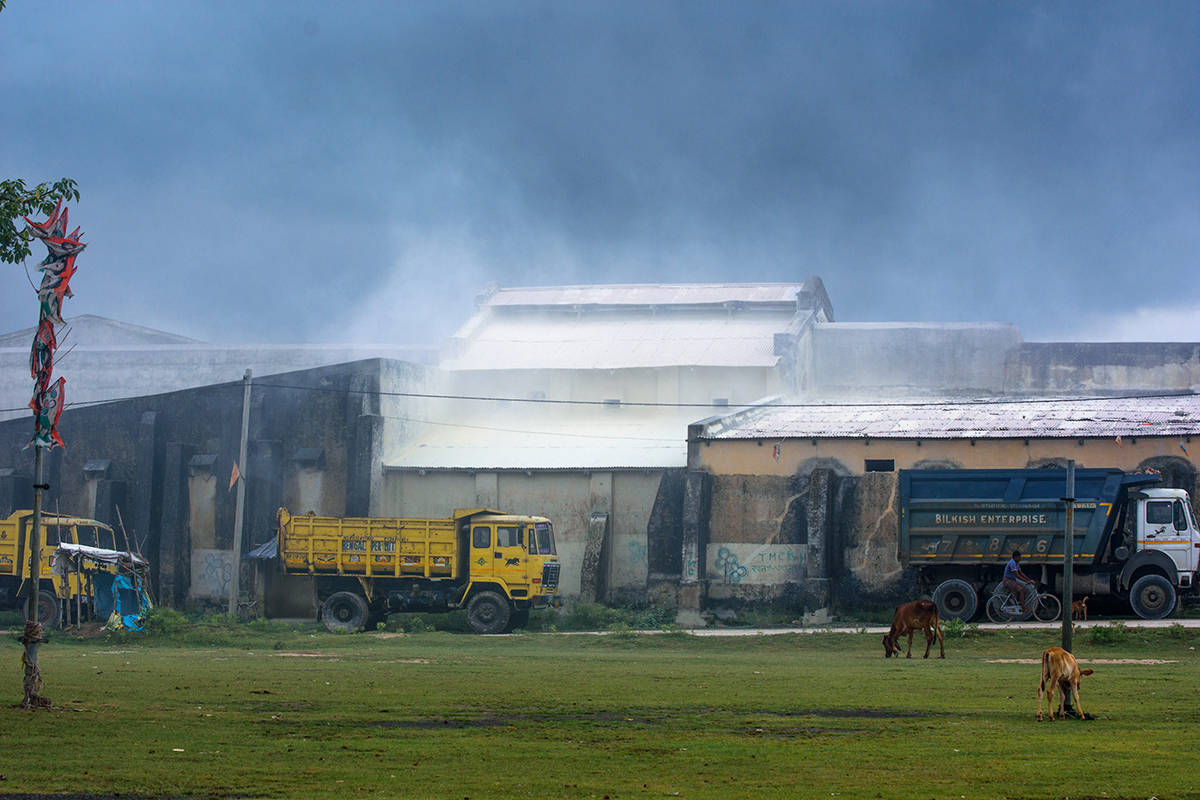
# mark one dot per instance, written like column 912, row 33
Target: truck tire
column 488, row 612
column 49, row 609
column 956, row 599
column 1152, row 597
column 344, row 611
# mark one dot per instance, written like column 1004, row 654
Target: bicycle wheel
column 994, row 606
column 1048, row 608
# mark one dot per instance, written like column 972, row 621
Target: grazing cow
column 1079, row 609
column 1061, row 672
column 919, row 615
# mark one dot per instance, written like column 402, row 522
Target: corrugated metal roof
column 1042, row 419
column 615, row 342
column 550, row 437
column 647, row 294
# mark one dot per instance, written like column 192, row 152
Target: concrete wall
column 817, row 498
column 979, row 359
column 910, row 359
column 1099, row 368
column 315, row 438
column 102, row 373
column 737, row 385
column 610, row 561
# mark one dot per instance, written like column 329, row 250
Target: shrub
column 1113, row 633
column 163, row 621
column 954, row 627
column 591, row 617
column 1176, row 631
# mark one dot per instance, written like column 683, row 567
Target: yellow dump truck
column 88, row 545
column 497, row 566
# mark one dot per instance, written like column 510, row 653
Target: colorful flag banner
column 57, row 269
column 233, row 477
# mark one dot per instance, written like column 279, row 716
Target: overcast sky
column 317, row 172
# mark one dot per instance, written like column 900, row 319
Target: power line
column 986, row 401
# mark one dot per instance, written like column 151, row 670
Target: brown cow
column 1079, row 609
column 919, row 615
column 1061, row 672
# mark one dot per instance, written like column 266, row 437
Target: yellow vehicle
column 93, row 548
column 496, row 566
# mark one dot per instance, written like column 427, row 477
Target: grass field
column 295, row 712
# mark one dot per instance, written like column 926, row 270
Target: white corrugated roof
column 554, row 437
column 620, row 341
column 1009, row 419
column 648, row 294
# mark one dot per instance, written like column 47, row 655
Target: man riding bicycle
column 1014, row 578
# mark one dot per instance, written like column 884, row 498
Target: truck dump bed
column 981, row 516
column 368, row 547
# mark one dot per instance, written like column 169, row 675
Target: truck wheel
column 956, row 599
column 488, row 613
column 49, row 610
column 344, row 611
column 1152, row 597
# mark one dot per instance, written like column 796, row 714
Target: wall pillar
column 147, row 491
column 111, row 496
column 364, row 495
column 697, row 499
column 174, row 550
column 16, row 492
column 819, row 517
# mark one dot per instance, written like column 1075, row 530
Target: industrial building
column 670, row 431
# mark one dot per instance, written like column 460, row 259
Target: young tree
column 16, row 201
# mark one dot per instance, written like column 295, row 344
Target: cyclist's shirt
column 1010, row 570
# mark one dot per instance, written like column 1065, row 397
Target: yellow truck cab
column 16, row 561
column 497, row 566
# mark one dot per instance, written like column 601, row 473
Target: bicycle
column 1005, row 607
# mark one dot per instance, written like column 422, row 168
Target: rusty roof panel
column 1009, row 419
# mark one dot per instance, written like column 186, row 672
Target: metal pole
column 239, row 514
column 1069, row 559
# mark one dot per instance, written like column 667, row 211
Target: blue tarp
column 117, row 594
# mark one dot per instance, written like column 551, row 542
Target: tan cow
column 919, row 615
column 1061, row 672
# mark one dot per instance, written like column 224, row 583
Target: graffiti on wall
column 211, row 572
column 735, row 562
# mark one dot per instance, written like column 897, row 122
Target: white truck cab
column 1167, row 523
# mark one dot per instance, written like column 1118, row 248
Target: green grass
column 282, row 711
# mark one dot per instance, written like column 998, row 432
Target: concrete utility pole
column 32, row 636
column 235, row 584
column 1068, row 591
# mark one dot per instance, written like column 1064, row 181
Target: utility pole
column 1069, row 560
column 235, row 584
column 32, row 636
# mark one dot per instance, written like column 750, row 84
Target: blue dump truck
column 958, row 529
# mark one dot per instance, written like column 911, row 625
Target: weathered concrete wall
column 97, row 373
column 755, row 457
column 617, row 566
column 911, row 359
column 300, row 424
column 846, row 524
column 1102, row 367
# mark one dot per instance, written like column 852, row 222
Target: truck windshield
column 1191, row 512
column 541, row 540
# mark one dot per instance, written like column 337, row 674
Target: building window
column 880, row 465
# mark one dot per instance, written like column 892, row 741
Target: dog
column 1079, row 609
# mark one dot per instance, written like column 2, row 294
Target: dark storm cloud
column 288, row 172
